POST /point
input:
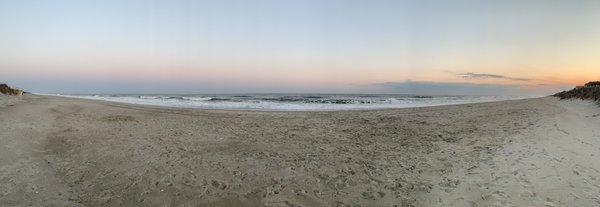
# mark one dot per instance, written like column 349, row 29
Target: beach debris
column 118, row 118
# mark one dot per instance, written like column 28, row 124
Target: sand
column 71, row 152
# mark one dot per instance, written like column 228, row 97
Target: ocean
column 294, row 102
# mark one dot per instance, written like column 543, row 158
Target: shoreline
column 60, row 151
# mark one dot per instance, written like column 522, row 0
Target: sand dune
column 71, row 152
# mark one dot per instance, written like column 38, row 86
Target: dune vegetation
column 5, row 89
column 589, row 91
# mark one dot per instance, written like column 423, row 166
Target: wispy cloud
column 488, row 76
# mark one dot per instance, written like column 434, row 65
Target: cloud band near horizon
column 471, row 75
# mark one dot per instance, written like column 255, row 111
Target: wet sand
column 71, row 152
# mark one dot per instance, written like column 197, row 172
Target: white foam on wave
column 197, row 98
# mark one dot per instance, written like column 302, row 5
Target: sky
column 299, row 46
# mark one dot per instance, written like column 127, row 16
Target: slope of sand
column 69, row 152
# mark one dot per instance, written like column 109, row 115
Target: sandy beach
column 58, row 151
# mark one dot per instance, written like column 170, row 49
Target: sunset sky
column 324, row 46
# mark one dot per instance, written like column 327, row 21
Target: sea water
column 295, row 102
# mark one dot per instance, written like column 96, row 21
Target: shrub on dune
column 590, row 91
column 5, row 89
column 593, row 84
